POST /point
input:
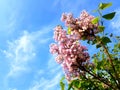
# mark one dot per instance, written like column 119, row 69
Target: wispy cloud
column 116, row 22
column 20, row 52
column 46, row 84
column 50, row 80
column 23, row 50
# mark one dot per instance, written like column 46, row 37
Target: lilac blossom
column 81, row 26
column 70, row 53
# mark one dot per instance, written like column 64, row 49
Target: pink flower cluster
column 81, row 26
column 70, row 53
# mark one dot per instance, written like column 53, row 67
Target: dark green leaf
column 88, row 41
column 109, row 16
column 105, row 40
column 94, row 42
column 100, row 65
column 98, row 46
column 104, row 5
column 70, row 86
column 95, row 20
column 101, row 28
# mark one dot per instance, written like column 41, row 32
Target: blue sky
column 26, row 30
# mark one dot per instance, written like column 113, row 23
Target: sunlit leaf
column 95, row 20
column 104, row 5
column 62, row 85
column 77, row 83
column 69, row 30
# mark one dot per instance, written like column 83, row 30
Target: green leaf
column 76, row 83
column 109, row 16
column 69, row 30
column 94, row 42
column 62, row 85
column 105, row 40
column 95, row 20
column 103, row 6
column 101, row 28
column 95, row 61
column 98, row 46
column 63, row 78
column 70, row 86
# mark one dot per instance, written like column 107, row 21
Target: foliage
column 103, row 73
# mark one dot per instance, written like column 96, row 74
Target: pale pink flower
column 53, row 48
column 70, row 53
column 59, row 58
column 81, row 26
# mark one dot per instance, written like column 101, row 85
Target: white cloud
column 20, row 52
column 23, row 50
column 116, row 22
column 51, row 78
column 45, row 84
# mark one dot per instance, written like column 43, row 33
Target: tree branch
column 98, row 77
